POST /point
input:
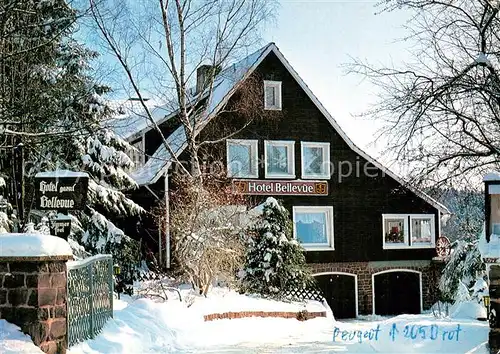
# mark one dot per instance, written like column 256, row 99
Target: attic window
column 272, row 95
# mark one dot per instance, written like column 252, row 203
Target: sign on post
column 61, row 190
column 61, row 226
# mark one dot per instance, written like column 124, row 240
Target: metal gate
column 90, row 297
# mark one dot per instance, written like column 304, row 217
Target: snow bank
column 145, row 326
column 468, row 310
column 33, row 245
column 222, row 300
column 12, row 340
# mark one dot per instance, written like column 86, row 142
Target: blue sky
column 318, row 37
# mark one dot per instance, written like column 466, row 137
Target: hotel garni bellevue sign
column 61, row 190
column 273, row 187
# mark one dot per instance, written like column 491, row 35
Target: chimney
column 202, row 77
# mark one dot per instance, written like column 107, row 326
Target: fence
column 90, row 297
column 301, row 294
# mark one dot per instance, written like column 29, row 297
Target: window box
column 408, row 231
column 272, row 95
column 313, row 227
column 242, row 158
column 279, row 158
column 315, row 160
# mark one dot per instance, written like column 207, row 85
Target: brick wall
column 33, row 296
column 301, row 316
column 365, row 270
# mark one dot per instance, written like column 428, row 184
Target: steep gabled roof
column 224, row 86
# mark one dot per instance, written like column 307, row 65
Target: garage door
column 396, row 293
column 340, row 293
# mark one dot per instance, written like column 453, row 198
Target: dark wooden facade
column 358, row 200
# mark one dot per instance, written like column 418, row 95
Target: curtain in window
column 311, row 227
column 421, row 231
column 277, row 159
column 271, row 96
column 313, row 157
column 240, row 157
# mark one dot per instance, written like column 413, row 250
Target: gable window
column 422, row 230
column 313, row 226
column 242, row 158
column 279, row 156
column 315, row 160
column 395, row 230
column 136, row 153
column 408, row 231
column 272, row 95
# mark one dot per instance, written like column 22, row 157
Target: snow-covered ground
column 12, row 340
column 145, row 326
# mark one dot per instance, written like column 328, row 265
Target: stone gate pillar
column 33, row 287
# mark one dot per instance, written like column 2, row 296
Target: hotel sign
column 61, row 192
column 271, row 187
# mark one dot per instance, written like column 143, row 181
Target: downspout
column 167, row 223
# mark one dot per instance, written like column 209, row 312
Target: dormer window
column 272, row 95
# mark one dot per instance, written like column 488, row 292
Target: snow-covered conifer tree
column 275, row 262
column 463, row 267
column 52, row 107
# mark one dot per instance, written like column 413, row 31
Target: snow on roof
column 226, row 83
column 132, row 119
column 33, row 245
column 62, row 173
column 161, row 159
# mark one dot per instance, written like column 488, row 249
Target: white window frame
column 433, row 230
column 290, row 145
column 326, row 159
column 329, row 246
column 408, row 218
column 405, row 244
column 254, row 144
column 277, row 86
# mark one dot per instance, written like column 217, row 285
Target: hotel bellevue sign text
column 61, row 192
column 272, row 187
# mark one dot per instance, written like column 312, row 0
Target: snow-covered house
column 369, row 238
